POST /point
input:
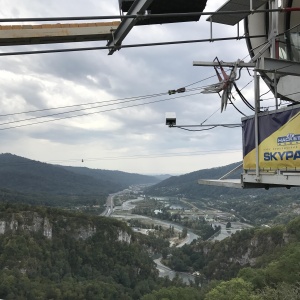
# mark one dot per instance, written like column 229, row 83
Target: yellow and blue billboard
column 278, row 140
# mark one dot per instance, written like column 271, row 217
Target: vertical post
column 275, row 44
column 256, row 124
column 211, row 29
column 275, row 91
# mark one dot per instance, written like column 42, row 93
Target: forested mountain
column 261, row 264
column 187, row 185
column 24, row 175
column 52, row 254
column 124, row 179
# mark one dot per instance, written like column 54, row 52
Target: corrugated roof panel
column 235, row 5
column 166, row 7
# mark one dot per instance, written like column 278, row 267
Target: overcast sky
column 131, row 139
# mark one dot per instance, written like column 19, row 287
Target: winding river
column 164, row 270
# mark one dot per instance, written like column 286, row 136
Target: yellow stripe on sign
column 278, row 154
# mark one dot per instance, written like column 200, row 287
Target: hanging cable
column 84, row 109
column 92, row 113
column 83, row 104
column 236, row 107
column 124, row 46
column 243, row 98
column 106, row 101
column 205, row 129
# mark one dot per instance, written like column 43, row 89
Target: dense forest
column 27, row 181
column 88, row 257
column 29, row 176
column 65, row 201
column 50, row 253
column 252, row 264
column 84, row 258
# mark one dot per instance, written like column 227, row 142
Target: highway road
column 109, row 205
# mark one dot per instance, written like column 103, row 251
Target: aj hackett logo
column 290, row 139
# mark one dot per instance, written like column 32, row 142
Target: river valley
column 124, row 212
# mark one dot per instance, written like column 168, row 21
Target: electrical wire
column 83, row 104
column 200, row 81
column 204, row 129
column 77, row 110
column 265, row 93
column 243, row 98
column 92, row 113
column 134, row 16
column 291, row 94
column 124, row 46
column 261, row 45
column 106, row 101
column 231, row 102
column 67, row 112
column 210, row 116
column 136, row 156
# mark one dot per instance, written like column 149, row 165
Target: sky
column 129, row 136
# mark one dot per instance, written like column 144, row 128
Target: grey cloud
column 128, row 73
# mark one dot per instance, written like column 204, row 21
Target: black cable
column 124, row 46
column 236, row 107
column 205, row 129
column 107, row 101
column 70, row 111
column 82, row 109
column 284, row 96
column 87, row 114
column 210, row 116
column 150, row 16
column 243, row 98
column 265, row 93
column 201, row 80
column 83, row 104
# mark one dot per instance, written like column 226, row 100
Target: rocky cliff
column 49, row 225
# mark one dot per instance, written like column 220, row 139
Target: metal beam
column 281, row 179
column 241, row 64
column 283, row 67
column 14, row 35
column 231, row 183
column 137, row 8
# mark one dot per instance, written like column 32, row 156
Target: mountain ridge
column 30, row 176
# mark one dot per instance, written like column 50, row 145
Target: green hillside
column 187, row 185
column 24, row 175
column 252, row 264
column 79, row 256
column 124, row 179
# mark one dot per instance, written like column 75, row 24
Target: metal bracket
column 137, row 8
